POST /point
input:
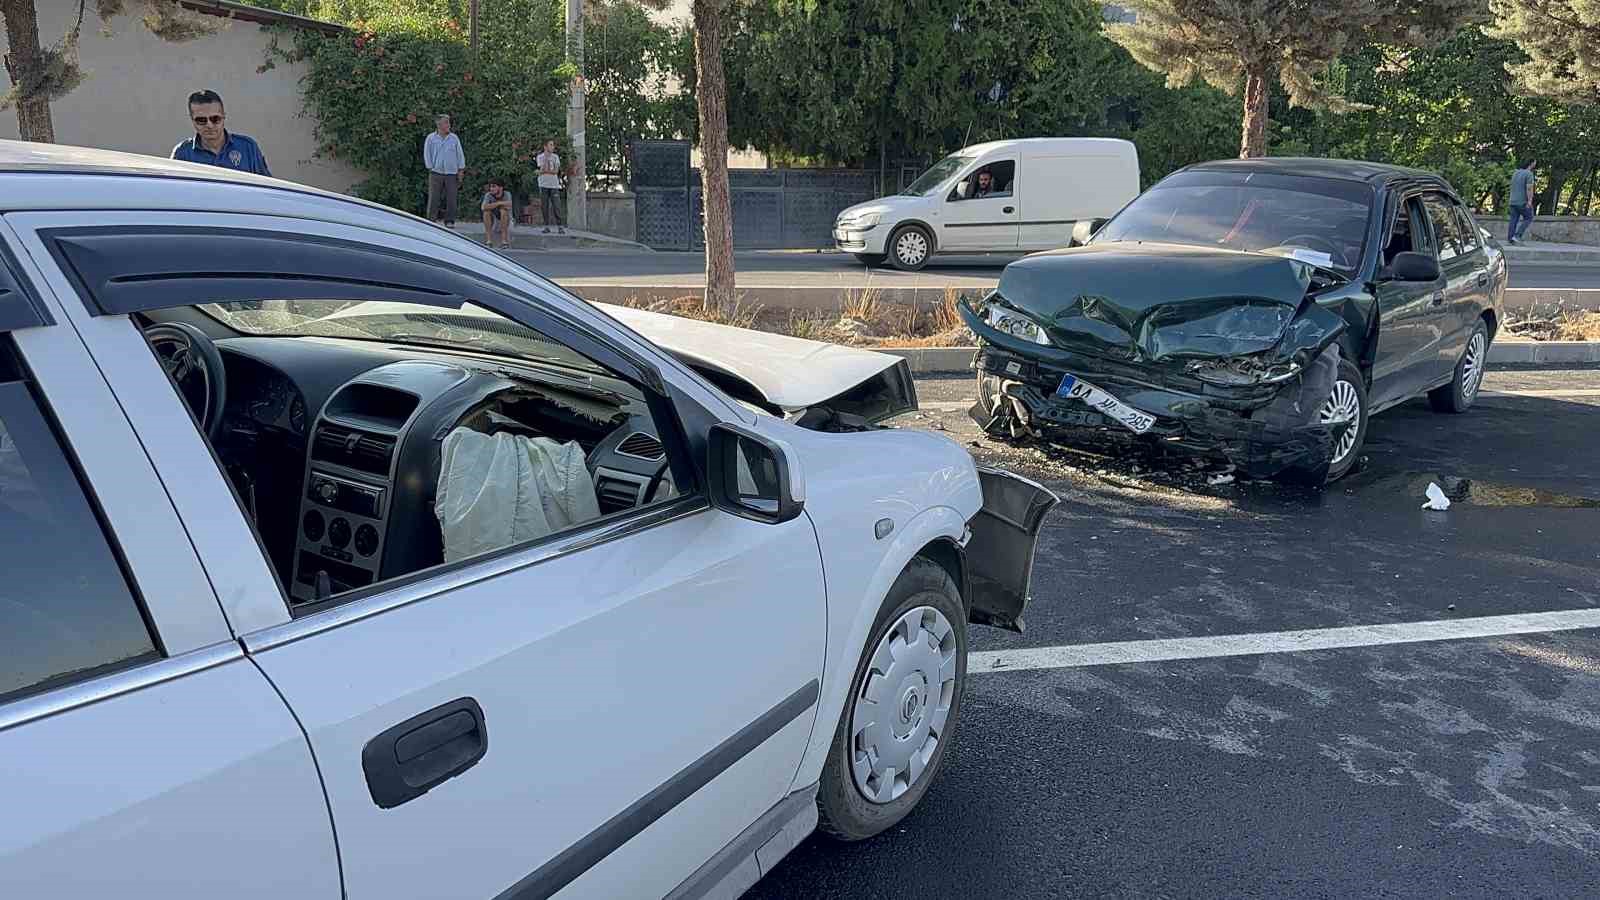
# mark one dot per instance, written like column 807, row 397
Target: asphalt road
column 1455, row 768
column 785, row 268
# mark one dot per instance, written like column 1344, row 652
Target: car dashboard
column 334, row 446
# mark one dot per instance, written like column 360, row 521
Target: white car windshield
column 1248, row 211
column 941, row 172
column 468, row 328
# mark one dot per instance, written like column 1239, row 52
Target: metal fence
column 772, row 208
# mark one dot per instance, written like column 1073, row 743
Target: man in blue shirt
column 1521, row 202
column 213, row 144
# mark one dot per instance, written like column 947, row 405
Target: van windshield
column 930, row 180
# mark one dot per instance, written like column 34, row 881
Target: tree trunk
column 22, row 64
column 711, row 92
column 1254, row 142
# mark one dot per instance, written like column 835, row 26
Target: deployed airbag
column 496, row 490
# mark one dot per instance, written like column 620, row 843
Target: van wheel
column 901, row 714
column 910, row 247
column 871, row 260
column 1457, row 396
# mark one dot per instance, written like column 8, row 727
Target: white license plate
column 1135, row 420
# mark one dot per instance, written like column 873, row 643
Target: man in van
column 985, row 185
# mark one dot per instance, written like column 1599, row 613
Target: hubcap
column 1472, row 365
column 903, row 704
column 1344, row 405
column 911, row 247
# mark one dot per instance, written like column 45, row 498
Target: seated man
column 988, row 186
column 497, row 209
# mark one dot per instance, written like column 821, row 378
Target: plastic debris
column 1225, row 478
column 1436, row 498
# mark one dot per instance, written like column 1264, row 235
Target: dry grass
column 1557, row 324
column 875, row 322
column 864, row 305
column 692, row 307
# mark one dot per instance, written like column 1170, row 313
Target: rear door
column 594, row 712
column 1461, row 266
column 139, row 749
column 984, row 224
column 1406, row 312
column 1476, row 298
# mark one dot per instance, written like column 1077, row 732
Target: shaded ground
column 1466, row 768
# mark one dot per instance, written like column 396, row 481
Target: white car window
column 66, row 609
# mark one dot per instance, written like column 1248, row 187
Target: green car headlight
column 1016, row 324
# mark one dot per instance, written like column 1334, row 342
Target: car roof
column 1062, row 142
column 1316, row 167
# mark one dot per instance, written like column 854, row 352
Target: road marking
column 1543, row 393
column 1073, row 656
column 945, row 405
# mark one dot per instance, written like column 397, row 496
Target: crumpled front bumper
column 1262, row 431
column 1000, row 546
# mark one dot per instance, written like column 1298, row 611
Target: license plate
column 839, row 236
column 1134, row 420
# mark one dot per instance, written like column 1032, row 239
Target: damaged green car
column 1257, row 311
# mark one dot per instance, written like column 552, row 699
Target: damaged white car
column 344, row 557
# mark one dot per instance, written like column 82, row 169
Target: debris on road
column 1436, row 498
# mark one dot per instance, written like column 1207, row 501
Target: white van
column 1001, row 197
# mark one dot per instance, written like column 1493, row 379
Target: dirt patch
column 1556, row 325
column 864, row 319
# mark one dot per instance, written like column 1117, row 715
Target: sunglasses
column 201, row 120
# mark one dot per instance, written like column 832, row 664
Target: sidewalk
column 532, row 237
column 1546, row 253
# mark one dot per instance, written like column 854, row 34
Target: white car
column 1012, row 196
column 340, row 556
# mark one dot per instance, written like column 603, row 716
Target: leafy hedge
column 374, row 95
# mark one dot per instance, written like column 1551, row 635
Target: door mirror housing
column 1084, row 229
column 752, row 475
column 1413, row 266
column 963, row 188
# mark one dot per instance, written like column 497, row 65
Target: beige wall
column 133, row 96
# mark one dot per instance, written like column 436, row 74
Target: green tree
column 41, row 74
column 1247, row 43
column 1562, row 41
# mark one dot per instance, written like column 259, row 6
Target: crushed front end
column 1237, row 368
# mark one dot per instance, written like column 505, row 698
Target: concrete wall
column 614, row 215
column 133, row 96
column 1560, row 229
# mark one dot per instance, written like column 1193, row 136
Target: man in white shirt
column 444, row 159
column 549, row 163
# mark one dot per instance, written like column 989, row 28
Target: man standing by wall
column 213, row 144
column 549, row 163
column 1521, row 202
column 444, row 159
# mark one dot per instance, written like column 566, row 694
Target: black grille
column 614, row 494
column 641, row 445
column 353, row 449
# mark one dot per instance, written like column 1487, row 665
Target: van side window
column 67, row 611
column 996, row 179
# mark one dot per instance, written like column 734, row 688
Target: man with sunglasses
column 215, row 145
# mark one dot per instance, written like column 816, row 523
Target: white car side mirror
column 752, row 475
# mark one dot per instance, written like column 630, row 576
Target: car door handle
column 1438, row 297
column 1483, row 279
column 1009, row 209
column 424, row 751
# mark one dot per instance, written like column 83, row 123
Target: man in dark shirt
column 215, row 145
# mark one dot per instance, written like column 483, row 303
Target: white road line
column 1542, row 392
column 1073, row 656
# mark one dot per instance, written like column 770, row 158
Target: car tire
column 910, row 247
column 1458, row 395
column 1348, row 397
column 924, row 601
column 871, row 260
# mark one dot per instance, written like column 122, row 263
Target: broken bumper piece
column 999, row 550
column 1262, row 429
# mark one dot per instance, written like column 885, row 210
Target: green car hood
column 1151, row 302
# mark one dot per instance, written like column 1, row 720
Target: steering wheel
column 1311, row 242
column 192, row 360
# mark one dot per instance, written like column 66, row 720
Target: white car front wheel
column 904, row 703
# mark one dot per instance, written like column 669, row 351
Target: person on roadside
column 549, row 164
column 445, row 160
column 1521, row 202
column 497, row 209
column 213, row 144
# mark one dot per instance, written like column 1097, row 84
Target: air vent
column 641, row 446
column 615, row 494
column 353, row 449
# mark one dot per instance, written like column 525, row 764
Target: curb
column 925, row 360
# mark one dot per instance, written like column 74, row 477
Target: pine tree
column 1245, row 43
column 1562, row 41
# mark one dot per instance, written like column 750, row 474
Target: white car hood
column 792, row 373
column 895, row 205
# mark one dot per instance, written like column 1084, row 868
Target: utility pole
column 472, row 27
column 577, row 191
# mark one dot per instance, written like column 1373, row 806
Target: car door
column 1476, row 298
column 1406, row 311
column 596, row 712
column 983, row 224
column 139, row 749
column 1461, row 267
